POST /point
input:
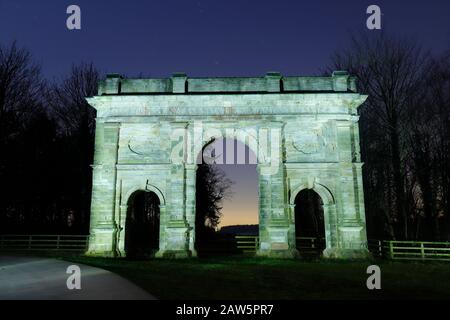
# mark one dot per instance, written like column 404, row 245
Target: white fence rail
column 42, row 242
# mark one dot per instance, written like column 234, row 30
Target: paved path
column 43, row 278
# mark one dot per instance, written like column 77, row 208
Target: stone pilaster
column 121, row 230
column 351, row 233
column 175, row 238
column 103, row 225
column 275, row 224
column 191, row 176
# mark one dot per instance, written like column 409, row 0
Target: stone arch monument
column 304, row 131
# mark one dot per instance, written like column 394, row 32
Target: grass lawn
column 256, row 278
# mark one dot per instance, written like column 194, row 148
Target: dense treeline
column 47, row 141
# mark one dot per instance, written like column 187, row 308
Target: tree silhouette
column 212, row 188
column 398, row 126
column 76, row 126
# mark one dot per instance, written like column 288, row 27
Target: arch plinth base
column 175, row 254
column 102, row 241
column 348, row 254
column 97, row 253
column 279, row 254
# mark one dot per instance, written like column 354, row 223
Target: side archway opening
column 142, row 225
column 309, row 223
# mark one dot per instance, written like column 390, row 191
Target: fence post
column 391, row 250
column 29, row 241
column 380, row 248
column 422, row 251
column 57, row 242
column 312, row 243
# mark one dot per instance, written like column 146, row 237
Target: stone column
column 331, row 231
column 174, row 229
column 191, row 177
column 276, row 238
column 275, row 224
column 174, row 241
column 103, row 227
column 163, row 222
column 121, row 230
column 292, row 237
column 351, row 235
column 264, row 211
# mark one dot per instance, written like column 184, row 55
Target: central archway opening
column 309, row 223
column 142, row 225
column 227, row 200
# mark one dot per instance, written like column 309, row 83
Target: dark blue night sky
column 203, row 38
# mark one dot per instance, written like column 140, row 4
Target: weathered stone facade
column 307, row 136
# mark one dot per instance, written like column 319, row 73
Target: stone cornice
column 227, row 105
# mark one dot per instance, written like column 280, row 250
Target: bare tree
column 26, row 138
column 76, row 124
column 21, row 89
column 213, row 187
column 67, row 100
column 391, row 71
column 429, row 146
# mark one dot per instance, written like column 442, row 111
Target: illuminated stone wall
column 304, row 131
